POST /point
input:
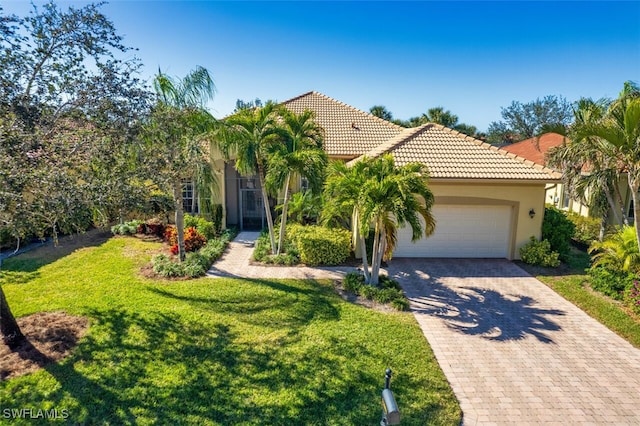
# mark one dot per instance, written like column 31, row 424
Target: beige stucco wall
column 521, row 196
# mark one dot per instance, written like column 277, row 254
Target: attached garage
column 471, row 231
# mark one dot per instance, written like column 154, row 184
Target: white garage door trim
column 465, row 231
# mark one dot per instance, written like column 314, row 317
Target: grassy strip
column 573, row 285
column 610, row 313
column 221, row 351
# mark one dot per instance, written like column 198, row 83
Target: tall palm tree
column 247, row 135
column 178, row 122
column 381, row 196
column 618, row 136
column 598, row 187
column 298, row 152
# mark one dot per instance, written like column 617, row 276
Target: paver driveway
column 514, row 351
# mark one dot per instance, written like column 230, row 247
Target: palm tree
column 619, row 252
column 381, row 196
column 599, row 187
column 298, row 152
column 178, row 122
column 247, row 135
column 618, row 136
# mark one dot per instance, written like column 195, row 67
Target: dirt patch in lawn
column 50, row 337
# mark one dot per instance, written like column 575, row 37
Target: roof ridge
column 400, row 138
column 501, row 151
column 298, row 97
column 344, row 104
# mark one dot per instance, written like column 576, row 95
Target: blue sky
column 471, row 57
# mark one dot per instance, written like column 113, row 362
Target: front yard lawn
column 217, row 351
column 571, row 282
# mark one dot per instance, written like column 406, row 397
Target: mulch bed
column 51, row 336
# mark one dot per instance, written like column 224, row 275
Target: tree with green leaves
column 380, row 197
column 246, row 136
column 69, row 110
column 381, row 111
column 522, row 121
column 589, row 173
column 175, row 137
column 436, row 115
column 297, row 152
column 617, row 135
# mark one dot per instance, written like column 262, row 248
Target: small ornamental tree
column 380, row 197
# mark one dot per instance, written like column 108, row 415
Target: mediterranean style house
column 488, row 202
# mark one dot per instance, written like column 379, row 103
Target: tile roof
column 449, row 154
column 535, row 149
column 349, row 132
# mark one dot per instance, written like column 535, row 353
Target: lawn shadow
column 165, row 369
column 474, row 309
column 300, row 305
column 24, row 267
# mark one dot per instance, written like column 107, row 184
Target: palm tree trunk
column 177, row 199
column 375, row 257
column 365, row 263
column 623, row 213
column 283, row 218
column 614, row 209
column 9, row 329
column 379, row 251
column 634, row 185
column 267, row 209
column 363, row 245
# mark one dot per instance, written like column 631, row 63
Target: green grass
column 572, row 283
column 220, row 351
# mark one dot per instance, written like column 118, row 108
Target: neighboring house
column 488, row 202
column 535, row 150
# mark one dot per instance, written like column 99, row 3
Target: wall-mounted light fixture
column 532, row 213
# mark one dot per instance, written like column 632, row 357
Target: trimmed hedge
column 318, row 245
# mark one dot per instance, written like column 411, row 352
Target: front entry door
column 251, row 209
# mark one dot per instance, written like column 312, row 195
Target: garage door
column 461, row 231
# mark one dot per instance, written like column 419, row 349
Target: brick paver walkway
column 236, row 262
column 514, row 351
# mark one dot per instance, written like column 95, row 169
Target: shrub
column 126, row 228
column 203, row 226
column 155, row 227
column 632, row 297
column 618, row 252
column 586, row 229
column 388, row 292
column 558, row 230
column 539, row 253
column 321, row 246
column 196, row 264
column 262, row 247
column 609, row 282
column 193, row 240
column 165, row 267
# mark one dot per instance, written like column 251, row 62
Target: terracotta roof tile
column 449, row 154
column 349, row 132
column 535, row 149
